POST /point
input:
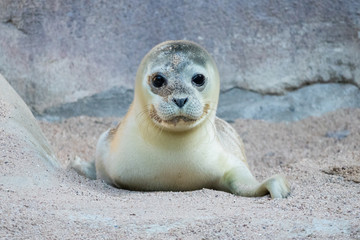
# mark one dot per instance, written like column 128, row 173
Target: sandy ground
column 320, row 156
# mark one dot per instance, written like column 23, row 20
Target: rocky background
column 68, row 58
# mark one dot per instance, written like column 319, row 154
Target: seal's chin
column 180, row 122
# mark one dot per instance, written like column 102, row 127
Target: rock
column 113, row 102
column 58, row 52
column 26, row 156
column 312, row 100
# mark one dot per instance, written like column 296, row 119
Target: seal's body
column 170, row 139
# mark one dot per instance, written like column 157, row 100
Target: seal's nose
column 180, row 102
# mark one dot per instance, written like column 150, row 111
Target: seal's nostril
column 180, row 102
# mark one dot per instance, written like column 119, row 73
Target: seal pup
column 170, row 138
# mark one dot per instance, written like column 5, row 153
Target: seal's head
column 177, row 85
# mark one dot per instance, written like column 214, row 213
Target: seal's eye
column 158, row 81
column 198, row 80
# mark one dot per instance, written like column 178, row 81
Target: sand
column 319, row 155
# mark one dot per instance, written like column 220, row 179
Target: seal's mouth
column 178, row 119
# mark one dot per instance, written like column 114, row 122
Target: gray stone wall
column 61, row 52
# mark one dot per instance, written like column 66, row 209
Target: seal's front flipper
column 277, row 186
column 241, row 182
column 85, row 168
